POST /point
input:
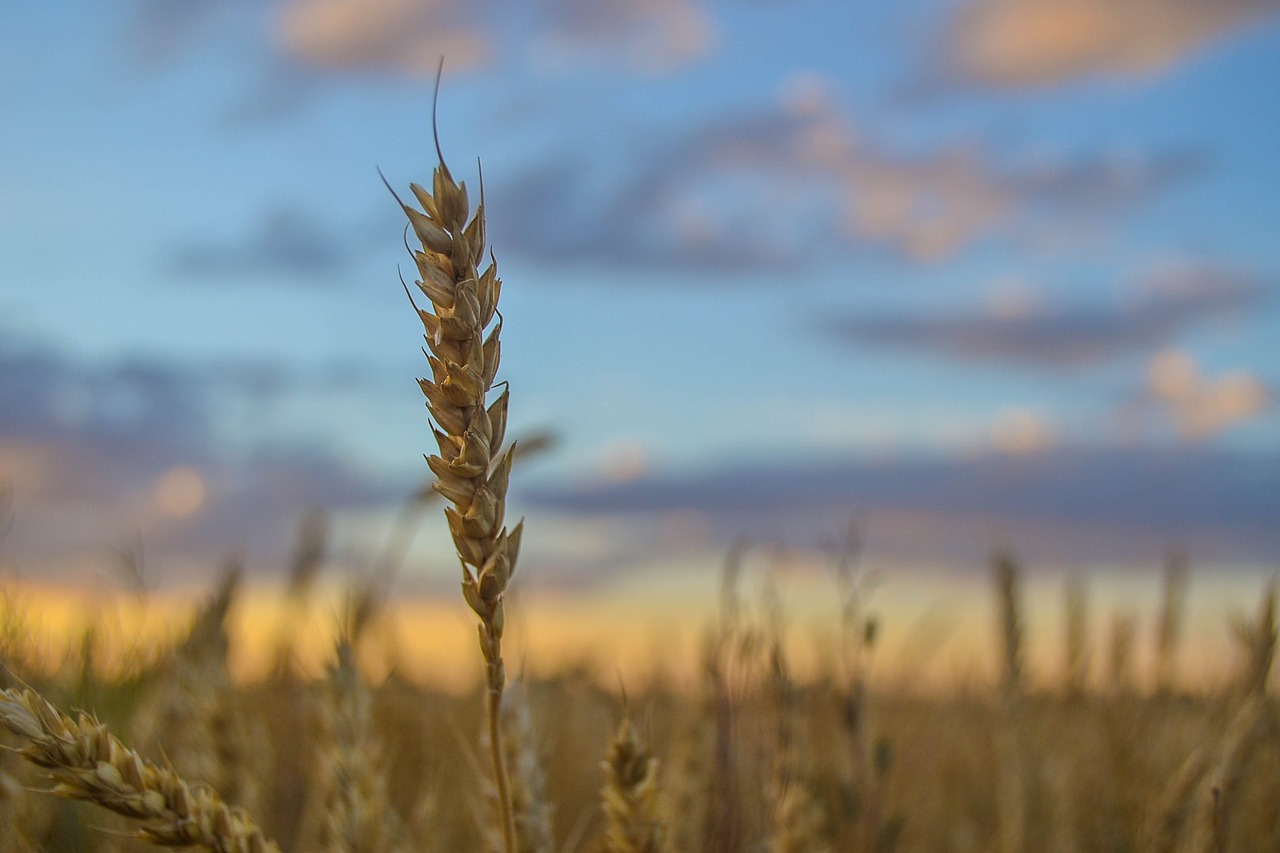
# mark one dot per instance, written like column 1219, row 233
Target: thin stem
column 502, row 780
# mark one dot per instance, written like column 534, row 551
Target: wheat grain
column 87, row 763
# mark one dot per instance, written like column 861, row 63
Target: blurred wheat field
column 744, row 756
column 747, row 758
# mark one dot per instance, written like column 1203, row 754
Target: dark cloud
column 1071, row 503
column 108, row 423
column 1064, row 336
column 86, row 449
column 635, row 225
column 162, row 32
column 777, row 188
column 1107, row 182
column 288, row 245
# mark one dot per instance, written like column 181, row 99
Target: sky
column 975, row 274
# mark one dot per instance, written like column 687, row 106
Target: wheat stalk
column 1120, row 653
column 858, row 632
column 1076, row 638
column 88, row 763
column 796, row 819
column 1005, row 573
column 1169, row 625
column 471, row 472
column 1011, row 805
column 1257, row 637
column 686, row 795
column 526, row 766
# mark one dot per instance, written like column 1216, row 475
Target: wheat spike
column 88, row 763
column 472, row 471
column 630, row 795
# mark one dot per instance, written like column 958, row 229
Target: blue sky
column 978, row 273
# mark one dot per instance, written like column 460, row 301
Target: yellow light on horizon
column 937, row 629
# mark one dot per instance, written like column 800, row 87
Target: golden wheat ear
column 471, row 468
column 629, row 798
column 86, row 762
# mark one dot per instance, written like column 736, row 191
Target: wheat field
column 174, row 751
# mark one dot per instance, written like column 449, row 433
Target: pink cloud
column 1014, row 43
column 1203, row 406
column 412, row 35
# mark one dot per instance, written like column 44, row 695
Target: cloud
column 1067, row 336
column 93, row 451
column 1022, row 431
column 780, row 186
column 401, row 35
column 1203, row 406
column 653, row 35
column 410, row 36
column 160, row 32
column 289, row 244
column 1019, row 43
column 1108, row 181
column 1066, row 502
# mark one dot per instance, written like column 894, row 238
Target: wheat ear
column 352, row 809
column 471, row 472
column 88, row 763
column 630, row 795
